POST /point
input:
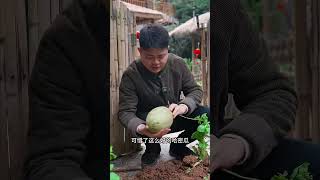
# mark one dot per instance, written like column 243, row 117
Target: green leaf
column 301, row 173
column 114, row 176
column 279, row 177
column 112, row 155
column 201, row 128
column 203, row 145
column 111, row 166
column 206, row 178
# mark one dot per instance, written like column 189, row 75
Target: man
column 69, row 96
column 157, row 79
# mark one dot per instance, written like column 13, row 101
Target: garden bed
column 174, row 170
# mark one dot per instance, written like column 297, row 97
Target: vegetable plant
column 299, row 173
column 113, row 176
column 203, row 130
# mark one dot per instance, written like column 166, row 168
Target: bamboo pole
column 303, row 75
column 192, row 56
column 121, row 43
column 204, row 66
column 315, row 72
column 209, row 60
column 113, row 71
column 117, row 136
column 130, row 32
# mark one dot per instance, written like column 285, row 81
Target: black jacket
column 69, row 97
column 140, row 91
column 69, row 88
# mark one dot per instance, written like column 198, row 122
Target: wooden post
column 192, row 55
column 266, row 16
column 120, row 138
column 303, row 75
column 4, row 136
column 315, row 7
column 15, row 81
column 209, row 61
column 204, row 66
column 33, row 30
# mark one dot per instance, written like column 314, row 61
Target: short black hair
column 154, row 36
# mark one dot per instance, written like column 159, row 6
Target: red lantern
column 138, row 34
column 197, row 52
column 281, row 7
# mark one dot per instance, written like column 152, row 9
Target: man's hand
column 178, row 109
column 227, row 152
column 143, row 129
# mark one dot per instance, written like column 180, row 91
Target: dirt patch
column 174, row 170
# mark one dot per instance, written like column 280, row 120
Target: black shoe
column 151, row 154
column 179, row 152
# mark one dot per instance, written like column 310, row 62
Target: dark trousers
column 285, row 157
column 179, row 124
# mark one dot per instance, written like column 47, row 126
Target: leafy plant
column 299, row 173
column 188, row 62
column 206, row 177
column 113, row 176
column 202, row 131
column 254, row 11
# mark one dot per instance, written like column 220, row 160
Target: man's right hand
column 143, row 129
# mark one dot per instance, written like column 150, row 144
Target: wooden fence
column 21, row 26
column 123, row 48
column 282, row 48
column 308, row 69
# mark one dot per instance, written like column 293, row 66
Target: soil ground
column 166, row 165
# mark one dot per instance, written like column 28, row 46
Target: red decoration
column 138, row 34
column 281, row 7
column 197, row 52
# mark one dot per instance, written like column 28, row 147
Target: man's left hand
column 178, row 109
column 227, row 152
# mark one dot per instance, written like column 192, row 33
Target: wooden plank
column 122, row 63
column 303, row 75
column 315, row 78
column 267, row 20
column 18, row 126
column 65, row 4
column 204, row 67
column 55, row 9
column 122, row 42
column 117, row 135
column 316, row 96
column 44, row 15
column 209, row 65
column 33, row 31
column 129, row 146
column 11, row 85
column 126, row 36
column 136, row 54
column 192, row 55
column 130, row 40
column 4, row 138
column 113, row 47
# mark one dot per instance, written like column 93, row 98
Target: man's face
column 154, row 59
